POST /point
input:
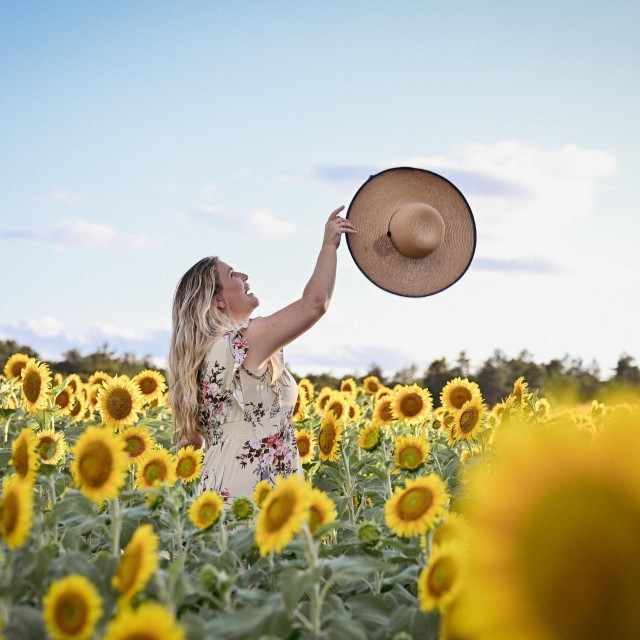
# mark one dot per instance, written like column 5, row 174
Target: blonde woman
column 229, row 390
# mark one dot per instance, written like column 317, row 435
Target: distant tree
column 9, row 347
column 625, row 371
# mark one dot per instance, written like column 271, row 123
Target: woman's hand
column 335, row 227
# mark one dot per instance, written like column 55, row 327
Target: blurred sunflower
column 468, row 420
column 414, row 509
column 36, row 385
column 329, row 438
column 339, row 405
column 371, row 384
column 561, row 559
column 354, row 411
column 350, row 387
column 307, row 385
column 119, row 402
column 137, row 564
column 411, row 404
column 150, row 621
column 92, row 395
column 25, row 458
column 283, row 513
column 151, row 383
column 456, row 392
column 15, row 364
column 299, row 409
column 78, row 408
column 382, row 392
column 158, row 466
column 410, row 452
column 189, row 463
column 383, row 412
column 50, row 445
column 323, row 397
column 261, row 491
column 71, row 608
column 64, row 401
column 542, row 404
column 16, row 508
column 521, row 391
column 369, row 436
column 322, row 510
column 99, row 465
column 206, row 509
column 57, row 379
column 306, row 442
column 454, row 528
column 98, row 377
column 242, row 508
column 74, row 382
column 439, row 582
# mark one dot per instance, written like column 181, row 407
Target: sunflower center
column 186, row 467
column 62, row 399
column 371, row 438
column 303, row 445
column 135, row 446
column 155, row 471
column 21, row 458
column 323, row 402
column 441, row 576
column 410, row 457
column 468, row 419
column 129, row 568
column 372, row 386
column 385, row 411
column 75, row 410
column 31, row 385
column 581, row 573
column 44, row 445
column 263, row 494
column 71, row 612
column 119, row 404
column 96, row 464
column 315, row 518
column 414, row 503
column 411, row 405
column 326, row 438
column 9, row 511
column 336, row 407
column 208, row 513
column 17, row 367
column 459, row 396
column 148, row 385
column 279, row 511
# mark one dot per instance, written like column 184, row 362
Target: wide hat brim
column 373, row 250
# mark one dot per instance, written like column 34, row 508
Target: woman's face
column 232, row 290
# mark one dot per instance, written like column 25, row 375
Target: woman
column 229, row 390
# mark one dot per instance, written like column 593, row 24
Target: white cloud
column 45, row 327
column 77, row 232
column 265, row 222
column 64, row 196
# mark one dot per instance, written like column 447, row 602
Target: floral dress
column 246, row 420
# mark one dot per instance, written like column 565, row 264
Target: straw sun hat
column 416, row 233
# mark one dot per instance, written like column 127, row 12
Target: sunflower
column 329, row 438
column 26, row 459
column 98, row 377
column 15, row 364
column 307, row 385
column 299, row 410
column 189, row 463
column 439, row 582
column 158, row 466
column 468, row 420
column 383, row 412
column 323, row 396
column 369, row 436
column 137, row 564
column 151, row 383
column 466, row 455
column 92, row 395
column 78, row 408
column 454, row 528
column 410, row 452
column 354, row 411
column 456, row 392
column 16, row 507
column 414, row 509
column 283, row 513
column 64, row 401
column 561, row 559
column 542, row 404
column 521, row 391
column 206, row 509
column 150, row 621
column 72, row 606
column 382, row 392
column 371, row 384
column 411, row 404
column 119, row 402
column 339, row 405
column 261, row 491
column 57, row 379
column 350, row 387
column 99, row 465
column 306, row 442
column 51, row 445
column 322, row 510
column 36, row 385
column 242, row 508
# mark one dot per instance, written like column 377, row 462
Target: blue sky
column 135, row 138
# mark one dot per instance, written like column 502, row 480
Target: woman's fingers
column 336, row 212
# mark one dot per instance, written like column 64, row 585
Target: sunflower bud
column 369, row 534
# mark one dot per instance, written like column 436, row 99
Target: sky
column 137, row 138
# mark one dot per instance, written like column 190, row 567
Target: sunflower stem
column 435, row 456
column 116, row 523
column 52, row 491
column 349, row 487
column 387, row 468
column 223, row 535
column 316, row 596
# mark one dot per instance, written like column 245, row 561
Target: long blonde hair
column 196, row 324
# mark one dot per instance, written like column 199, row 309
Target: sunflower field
column 518, row 521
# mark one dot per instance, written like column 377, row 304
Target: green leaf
column 372, row 611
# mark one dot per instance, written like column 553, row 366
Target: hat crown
column 416, row 229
